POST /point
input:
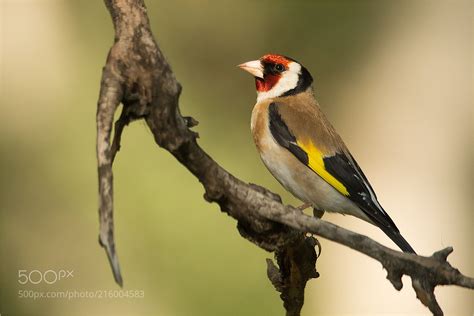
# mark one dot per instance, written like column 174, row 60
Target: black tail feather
column 398, row 239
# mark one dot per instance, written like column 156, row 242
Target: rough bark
column 137, row 75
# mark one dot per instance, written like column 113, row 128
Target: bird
column 303, row 151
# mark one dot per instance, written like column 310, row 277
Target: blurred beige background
column 394, row 77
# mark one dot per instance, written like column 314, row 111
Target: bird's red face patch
column 273, row 66
column 266, row 84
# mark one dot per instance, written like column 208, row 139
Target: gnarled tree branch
column 138, row 76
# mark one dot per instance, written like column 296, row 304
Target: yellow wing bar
column 316, row 163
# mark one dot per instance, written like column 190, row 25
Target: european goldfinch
column 302, row 150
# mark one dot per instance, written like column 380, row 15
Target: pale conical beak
column 254, row 67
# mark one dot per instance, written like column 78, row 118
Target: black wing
column 345, row 169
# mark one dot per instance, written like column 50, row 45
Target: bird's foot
column 318, row 213
column 304, row 206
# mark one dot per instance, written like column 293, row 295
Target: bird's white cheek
column 287, row 82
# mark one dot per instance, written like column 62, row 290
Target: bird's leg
column 304, row 206
column 316, row 211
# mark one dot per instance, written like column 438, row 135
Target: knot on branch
column 425, row 293
column 268, row 235
column 426, row 273
column 442, row 255
column 395, row 277
column 296, row 266
column 190, row 121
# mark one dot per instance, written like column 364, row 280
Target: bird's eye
column 279, row 67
